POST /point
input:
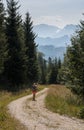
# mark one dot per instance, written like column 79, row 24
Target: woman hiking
column 34, row 90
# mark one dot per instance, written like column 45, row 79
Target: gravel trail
column 35, row 116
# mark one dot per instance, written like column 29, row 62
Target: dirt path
column 35, row 116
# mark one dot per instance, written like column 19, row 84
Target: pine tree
column 3, row 45
column 59, row 71
column 59, row 63
column 63, row 71
column 52, row 75
column 16, row 65
column 29, row 36
column 49, row 64
column 42, row 68
column 74, row 61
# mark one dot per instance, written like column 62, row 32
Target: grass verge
column 6, row 121
column 60, row 100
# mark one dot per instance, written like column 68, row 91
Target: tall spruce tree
column 32, row 66
column 59, row 71
column 53, row 72
column 16, row 65
column 3, row 45
column 62, row 74
column 59, row 63
column 42, row 68
column 74, row 61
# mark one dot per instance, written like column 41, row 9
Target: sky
column 53, row 12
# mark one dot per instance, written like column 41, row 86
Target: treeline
column 72, row 70
column 48, row 70
column 18, row 56
column 20, row 63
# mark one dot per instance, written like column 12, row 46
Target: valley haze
column 51, row 38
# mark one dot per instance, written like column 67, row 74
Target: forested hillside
column 59, row 70
column 20, row 62
column 72, row 70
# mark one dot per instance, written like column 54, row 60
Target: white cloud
column 51, row 20
column 53, row 12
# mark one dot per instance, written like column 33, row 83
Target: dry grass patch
column 6, row 121
column 60, row 100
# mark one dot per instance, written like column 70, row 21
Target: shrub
column 81, row 113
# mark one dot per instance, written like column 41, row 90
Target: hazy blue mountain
column 67, row 30
column 51, row 51
column 44, row 30
column 57, row 42
column 52, row 41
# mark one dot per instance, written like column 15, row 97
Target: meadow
column 61, row 100
column 6, row 121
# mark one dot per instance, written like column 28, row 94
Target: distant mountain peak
column 46, row 25
column 71, row 26
column 45, row 30
column 56, row 42
column 56, row 52
column 52, row 41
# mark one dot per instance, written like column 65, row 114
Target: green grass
column 60, row 100
column 6, row 121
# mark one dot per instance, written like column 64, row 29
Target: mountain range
column 56, row 42
column 52, row 40
column 51, row 51
column 44, row 30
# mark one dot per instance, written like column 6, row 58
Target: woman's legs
column 34, row 96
